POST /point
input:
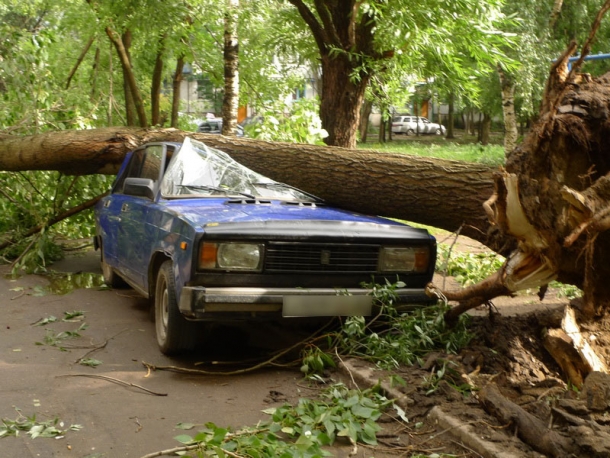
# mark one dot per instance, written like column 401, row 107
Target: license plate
column 327, row 306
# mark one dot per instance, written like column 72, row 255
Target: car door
column 135, row 235
column 426, row 126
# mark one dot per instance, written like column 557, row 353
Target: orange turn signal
column 207, row 255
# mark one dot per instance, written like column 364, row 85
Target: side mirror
column 142, row 187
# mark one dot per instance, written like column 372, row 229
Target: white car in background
column 411, row 125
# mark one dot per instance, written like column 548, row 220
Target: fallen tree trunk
column 439, row 193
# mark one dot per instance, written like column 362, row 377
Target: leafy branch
column 34, row 428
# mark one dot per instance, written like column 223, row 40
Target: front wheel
column 438, row 132
column 174, row 333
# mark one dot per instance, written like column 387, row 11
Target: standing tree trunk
column 345, row 44
column 131, row 85
column 365, row 113
column 176, row 91
column 381, row 134
column 157, row 79
column 485, row 129
column 450, row 117
column 230, row 103
column 511, row 133
column 341, row 100
column 79, row 61
column 94, row 71
column 130, row 106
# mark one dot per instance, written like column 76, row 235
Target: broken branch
column 117, row 381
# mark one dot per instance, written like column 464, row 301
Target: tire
column 410, row 132
column 174, row 333
column 438, row 132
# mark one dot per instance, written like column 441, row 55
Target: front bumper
column 201, row 303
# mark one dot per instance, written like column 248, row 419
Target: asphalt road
column 119, row 420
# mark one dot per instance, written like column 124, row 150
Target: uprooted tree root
column 552, row 201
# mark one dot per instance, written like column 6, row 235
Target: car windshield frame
column 197, row 170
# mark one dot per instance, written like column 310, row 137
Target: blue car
column 207, row 239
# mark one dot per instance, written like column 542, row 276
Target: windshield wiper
column 216, row 189
column 277, row 184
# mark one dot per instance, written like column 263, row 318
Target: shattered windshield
column 197, row 170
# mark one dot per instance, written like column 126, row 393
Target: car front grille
column 311, row 257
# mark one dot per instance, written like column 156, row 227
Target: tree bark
column 394, row 185
column 381, row 133
column 450, row 117
column 553, row 195
column 341, row 100
column 485, row 129
column 345, row 45
column 511, row 132
column 230, row 103
column 176, row 91
column 529, row 428
column 80, row 59
column 157, row 79
column 128, row 73
column 365, row 112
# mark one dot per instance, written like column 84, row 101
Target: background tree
column 231, row 64
column 355, row 39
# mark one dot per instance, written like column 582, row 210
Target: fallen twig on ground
column 115, row 380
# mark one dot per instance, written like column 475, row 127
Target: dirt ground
column 139, row 413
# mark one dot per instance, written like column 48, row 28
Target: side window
column 152, row 163
column 145, row 163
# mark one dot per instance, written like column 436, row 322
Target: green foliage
column 32, row 427
column 396, row 337
column 298, row 123
column 564, row 290
column 34, row 198
column 406, row 339
column 54, row 339
column 471, row 268
column 467, row 268
column 76, row 315
column 297, row 431
column 90, row 362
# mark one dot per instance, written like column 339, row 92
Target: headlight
column 404, row 259
column 231, row 256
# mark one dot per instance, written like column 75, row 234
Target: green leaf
column 185, row 426
column 91, row 362
column 184, row 439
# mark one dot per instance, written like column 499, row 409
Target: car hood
column 260, row 216
column 210, row 210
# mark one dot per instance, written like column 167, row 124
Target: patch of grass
column 492, row 155
column 467, row 268
column 463, row 147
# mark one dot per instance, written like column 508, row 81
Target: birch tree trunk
column 511, row 132
column 230, row 102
